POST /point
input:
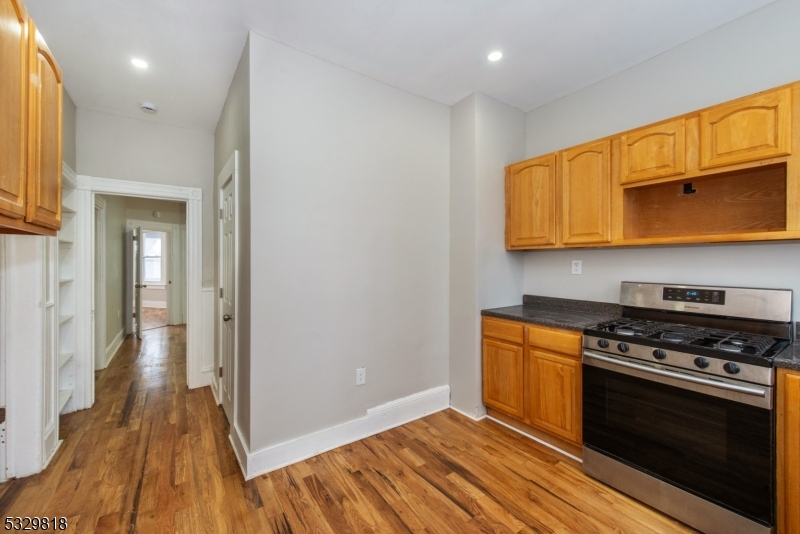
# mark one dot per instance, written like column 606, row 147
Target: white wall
column 68, row 131
column 750, row 54
column 351, row 181
column 486, row 135
column 110, row 146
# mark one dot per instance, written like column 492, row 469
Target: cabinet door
column 531, row 202
column 788, row 393
column 555, row 394
column 653, row 152
column 586, row 187
column 755, row 128
column 44, row 134
column 503, row 378
column 13, row 106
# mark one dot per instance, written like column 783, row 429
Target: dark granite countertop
column 557, row 313
column 790, row 357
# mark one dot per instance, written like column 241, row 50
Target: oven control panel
column 705, row 296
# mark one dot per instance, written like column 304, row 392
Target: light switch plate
column 361, row 376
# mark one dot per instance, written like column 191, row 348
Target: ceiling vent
column 147, row 107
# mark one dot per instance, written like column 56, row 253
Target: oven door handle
column 678, row 376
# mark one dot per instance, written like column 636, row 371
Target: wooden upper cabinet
column 13, row 107
column 531, row 202
column 555, row 394
column 749, row 129
column 44, row 134
column 586, row 192
column 503, row 377
column 653, row 152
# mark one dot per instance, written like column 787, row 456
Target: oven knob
column 702, row 363
column 623, row 347
column 603, row 344
column 659, row 354
column 731, row 368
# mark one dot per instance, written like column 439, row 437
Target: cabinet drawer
column 560, row 341
column 505, row 330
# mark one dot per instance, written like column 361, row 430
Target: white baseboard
column 395, row 413
column 206, row 378
column 470, row 416
column 113, row 347
column 154, row 304
column 214, row 391
column 240, row 448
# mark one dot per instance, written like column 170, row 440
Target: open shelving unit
column 66, row 299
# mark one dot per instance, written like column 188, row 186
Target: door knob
column 227, row 317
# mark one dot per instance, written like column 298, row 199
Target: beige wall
column 233, row 133
column 68, row 132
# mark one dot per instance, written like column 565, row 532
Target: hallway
column 152, row 456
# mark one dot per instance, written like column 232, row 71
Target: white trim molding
column 378, row 419
column 113, row 347
column 154, row 304
column 88, row 186
column 465, row 414
column 534, row 438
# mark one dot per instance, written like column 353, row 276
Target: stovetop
column 730, row 345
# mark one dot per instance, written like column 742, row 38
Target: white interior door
column 138, row 269
column 228, row 294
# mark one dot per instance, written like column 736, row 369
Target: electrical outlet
column 361, row 376
column 577, row 266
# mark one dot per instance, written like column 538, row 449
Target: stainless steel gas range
column 678, row 402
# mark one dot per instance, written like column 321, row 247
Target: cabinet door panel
column 531, row 202
column 44, row 135
column 555, row 394
column 13, row 106
column 653, row 152
column 503, row 377
column 586, row 187
column 755, row 128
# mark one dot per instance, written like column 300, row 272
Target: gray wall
column 233, row 133
column 485, row 136
column 68, row 131
column 351, row 177
column 750, row 54
column 110, row 146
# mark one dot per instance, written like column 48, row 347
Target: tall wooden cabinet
column 30, row 127
column 788, row 444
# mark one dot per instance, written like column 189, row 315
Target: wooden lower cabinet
column 503, row 377
column 555, row 394
column 788, row 444
column 534, row 380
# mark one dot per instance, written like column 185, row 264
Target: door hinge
column 220, row 292
column 220, row 372
column 2, row 415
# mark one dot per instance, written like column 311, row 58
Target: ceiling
column 433, row 48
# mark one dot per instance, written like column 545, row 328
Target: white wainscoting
column 113, row 347
column 395, row 413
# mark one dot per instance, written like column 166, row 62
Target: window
column 153, row 261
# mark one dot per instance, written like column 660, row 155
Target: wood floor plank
column 152, row 456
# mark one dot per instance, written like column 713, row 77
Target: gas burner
column 625, row 331
column 673, row 337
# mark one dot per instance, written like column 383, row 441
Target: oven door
column 712, row 439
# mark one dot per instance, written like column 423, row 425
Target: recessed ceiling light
column 142, row 64
column 495, row 56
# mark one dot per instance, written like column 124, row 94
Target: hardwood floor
column 154, row 318
column 152, row 456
